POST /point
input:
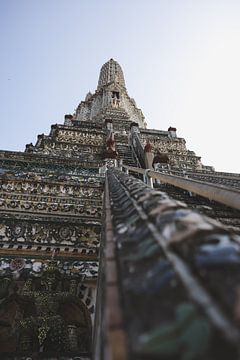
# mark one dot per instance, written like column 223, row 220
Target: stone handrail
column 160, row 278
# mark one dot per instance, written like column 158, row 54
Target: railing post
column 121, row 164
column 148, row 179
column 186, row 177
column 144, row 179
column 148, row 155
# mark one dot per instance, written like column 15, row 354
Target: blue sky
column 181, row 61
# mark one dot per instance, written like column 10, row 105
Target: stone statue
column 111, row 147
column 47, row 329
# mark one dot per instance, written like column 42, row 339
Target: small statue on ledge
column 48, row 329
column 29, row 148
column 111, row 147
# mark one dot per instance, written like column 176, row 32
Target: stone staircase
column 228, row 216
column 125, row 153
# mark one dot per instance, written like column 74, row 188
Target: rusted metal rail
column 219, row 193
column 205, row 174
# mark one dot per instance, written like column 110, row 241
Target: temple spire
column 110, row 72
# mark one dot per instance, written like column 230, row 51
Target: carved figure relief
column 78, row 207
column 19, row 267
column 41, row 188
column 47, row 233
column 84, row 138
column 44, row 316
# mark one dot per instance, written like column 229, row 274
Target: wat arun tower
column 116, row 242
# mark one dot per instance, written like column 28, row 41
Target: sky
column 181, row 62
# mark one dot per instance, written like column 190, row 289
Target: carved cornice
column 44, row 251
column 69, row 206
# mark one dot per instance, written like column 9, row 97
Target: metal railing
column 138, row 148
column 222, row 194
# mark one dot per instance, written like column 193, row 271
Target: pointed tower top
column 111, row 71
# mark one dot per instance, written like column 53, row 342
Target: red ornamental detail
column 111, row 147
column 160, row 159
column 148, row 147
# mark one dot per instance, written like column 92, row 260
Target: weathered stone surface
column 175, row 267
column 51, row 208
